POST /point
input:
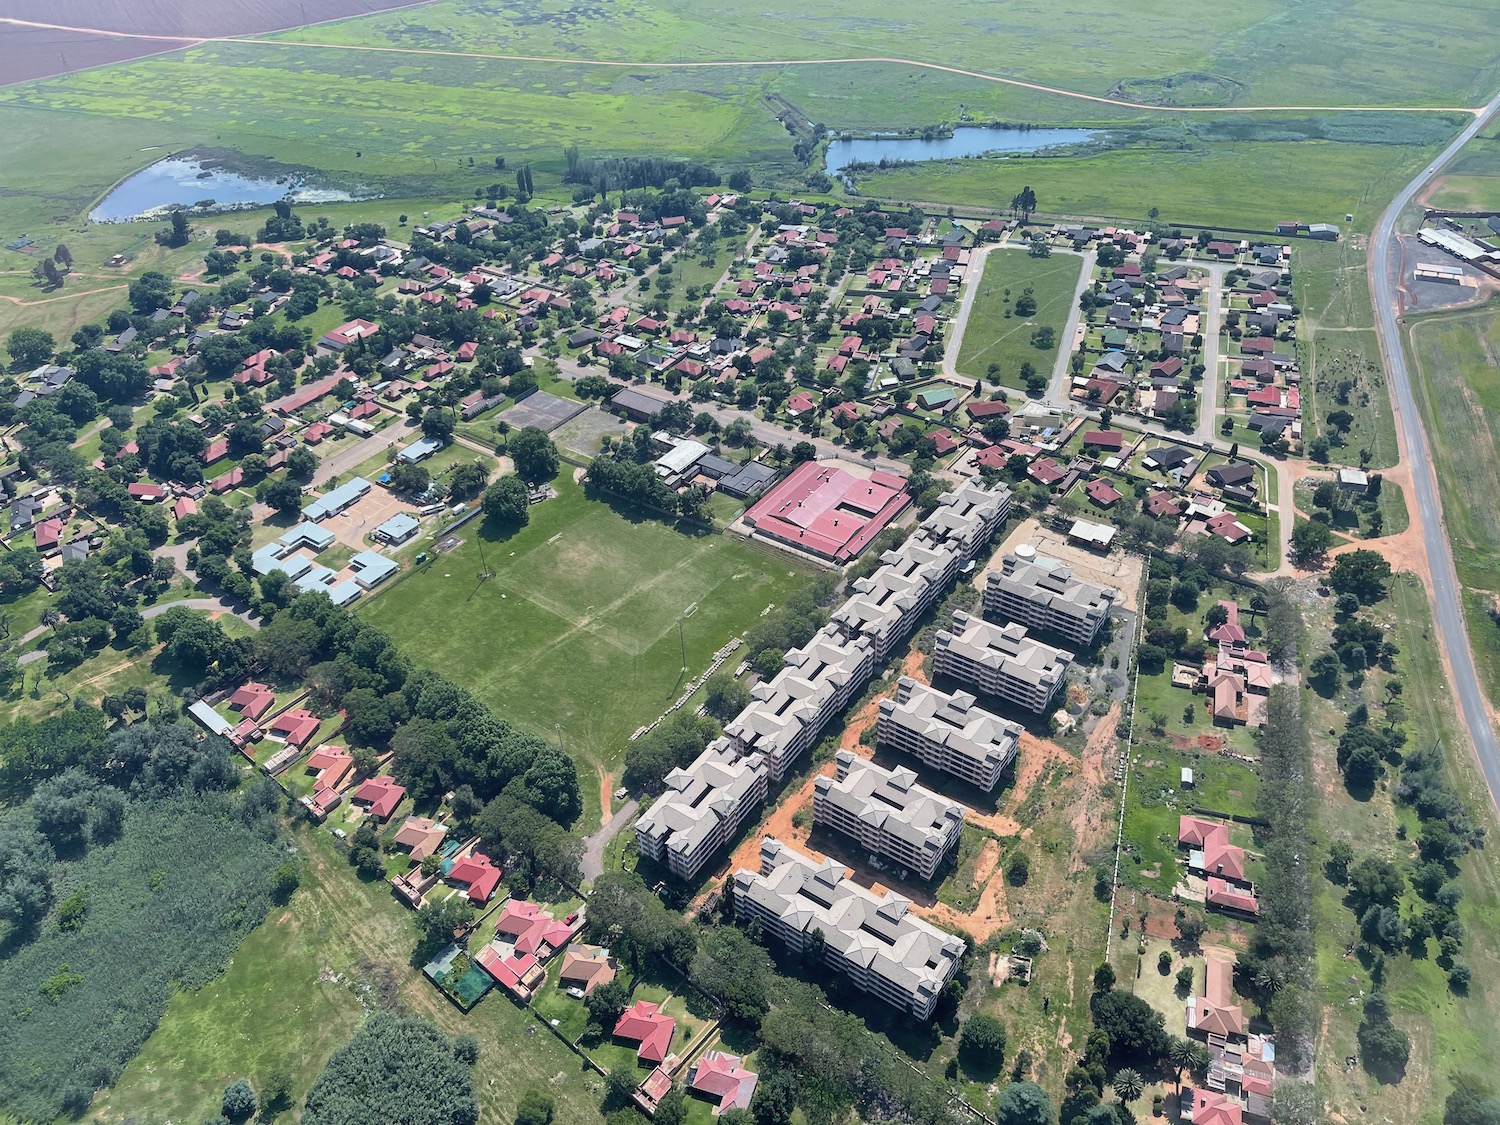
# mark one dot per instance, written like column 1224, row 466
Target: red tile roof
column 296, row 725
column 531, row 928
column 1221, row 893
column 721, row 1076
column 479, row 874
column 509, row 971
column 252, row 700
column 645, row 1024
column 381, row 794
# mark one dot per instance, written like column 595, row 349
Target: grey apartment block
column 1042, row 593
column 873, row 940
column 1001, row 661
column 787, row 713
column 968, row 516
column 948, row 732
column 888, row 813
column 885, row 605
column 703, row 807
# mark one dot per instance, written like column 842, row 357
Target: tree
column 1024, row 203
column 981, row 1045
column 1024, row 1103
column 437, row 922
column 30, row 347
column 1137, row 1032
column 1128, row 1084
column 1375, row 881
column 1362, row 573
column 1472, row 1102
column 394, row 1069
column 1340, row 856
column 468, row 480
column 239, row 1100
column 505, row 502
column 1310, row 541
column 437, row 423
column 726, row 696
column 605, row 1003
column 284, row 495
column 1384, row 1047
column 536, row 1108
column 1104, row 977
column 534, row 455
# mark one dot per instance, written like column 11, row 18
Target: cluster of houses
column 1242, row 1063
column 1220, row 864
column 1235, row 679
column 255, row 719
column 526, row 938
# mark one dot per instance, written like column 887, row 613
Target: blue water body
column 966, row 140
column 180, row 181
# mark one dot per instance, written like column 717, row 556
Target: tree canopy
column 394, row 1069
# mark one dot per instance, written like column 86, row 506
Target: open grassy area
column 1315, row 52
column 1458, row 391
column 1244, row 184
column 577, row 629
column 995, row 334
column 1340, row 354
column 1449, row 1033
column 299, row 986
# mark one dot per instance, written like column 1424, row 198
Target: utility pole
column 683, row 642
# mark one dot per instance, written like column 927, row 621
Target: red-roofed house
column 1231, row 631
column 252, row 700
column 721, row 1077
column 586, row 968
column 1045, row 471
column 185, row 506
column 330, row 765
column 799, row 404
column 519, row 972
column 421, row 836
column 296, row 726
column 145, row 491
column 1102, row 493
column 827, row 511
column 983, row 411
column 476, row 876
column 532, row 929
column 1208, row 1107
column 316, row 432
column 1225, row 526
column 48, row 532
column 1104, row 439
column 232, row 479
column 943, row 441
column 1162, row 503
column 379, row 796
column 1226, row 896
column 644, row 1024
column 1215, row 1014
column 322, row 802
column 466, row 350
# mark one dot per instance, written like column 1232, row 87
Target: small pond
column 966, row 140
column 188, row 181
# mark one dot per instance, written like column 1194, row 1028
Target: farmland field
column 995, row 335
column 577, row 629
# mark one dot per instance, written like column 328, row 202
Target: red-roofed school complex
column 828, row 512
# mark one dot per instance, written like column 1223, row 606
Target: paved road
column 1057, row 390
column 362, row 450
column 594, row 845
column 1213, row 323
column 1447, row 601
column 207, row 605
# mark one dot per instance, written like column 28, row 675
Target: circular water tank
column 1025, row 551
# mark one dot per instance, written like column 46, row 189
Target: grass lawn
column 297, row 988
column 995, row 334
column 577, row 628
column 1466, row 193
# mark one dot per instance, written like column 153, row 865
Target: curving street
column 1445, row 593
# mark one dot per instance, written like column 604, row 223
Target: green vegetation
column 401, row 1067
column 997, row 334
column 1458, row 391
column 178, row 868
column 299, row 987
column 1228, row 183
column 577, row 631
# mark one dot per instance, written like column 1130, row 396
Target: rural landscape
column 581, row 564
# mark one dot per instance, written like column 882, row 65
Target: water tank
column 1026, row 552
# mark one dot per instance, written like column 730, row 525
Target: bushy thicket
column 157, row 873
column 395, row 1070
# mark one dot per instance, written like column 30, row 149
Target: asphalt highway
column 1447, row 595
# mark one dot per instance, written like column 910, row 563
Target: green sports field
column 578, row 627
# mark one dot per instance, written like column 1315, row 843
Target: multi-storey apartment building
column 787, row 713
column 703, row 807
column 888, row 813
column 874, row 940
column 1042, row 593
column 1001, row 661
column 948, row 732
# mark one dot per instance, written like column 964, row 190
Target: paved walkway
column 594, row 845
